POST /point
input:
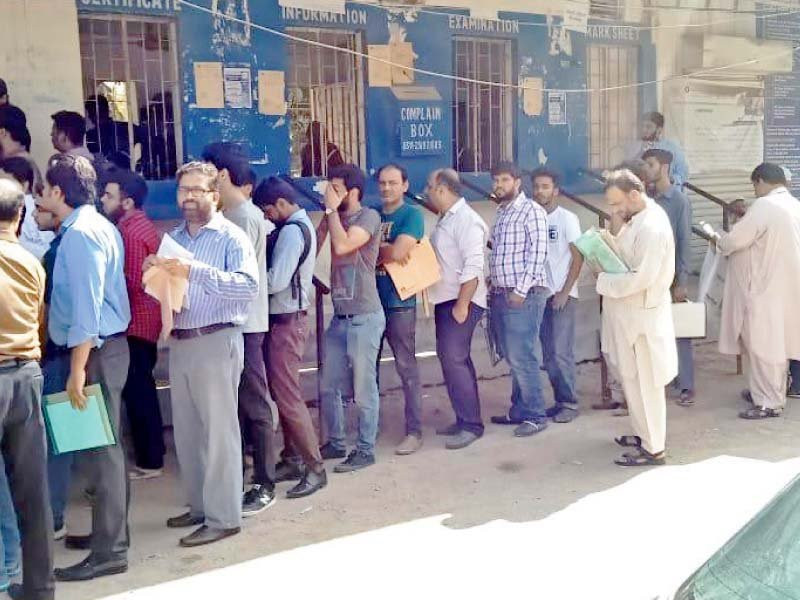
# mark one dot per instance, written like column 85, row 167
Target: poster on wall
column 238, row 88
column 782, row 129
column 557, row 108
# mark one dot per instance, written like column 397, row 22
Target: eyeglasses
column 192, row 191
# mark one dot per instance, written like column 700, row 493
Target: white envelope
column 689, row 319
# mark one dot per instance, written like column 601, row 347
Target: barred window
column 131, row 94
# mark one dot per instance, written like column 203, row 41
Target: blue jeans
column 518, row 334
column 558, row 350
column 351, row 352
column 55, row 369
column 9, row 530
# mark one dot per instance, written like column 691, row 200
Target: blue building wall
column 203, row 37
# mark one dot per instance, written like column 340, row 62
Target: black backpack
column 272, row 239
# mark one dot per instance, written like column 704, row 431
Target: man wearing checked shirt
column 518, row 295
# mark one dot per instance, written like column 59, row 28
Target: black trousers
column 141, row 401
column 25, row 454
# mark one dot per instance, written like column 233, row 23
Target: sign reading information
column 422, row 131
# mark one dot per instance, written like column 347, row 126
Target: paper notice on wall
column 271, row 93
column 329, row 6
column 380, row 73
column 402, row 54
column 208, row 85
column 557, row 108
column 238, row 87
column 532, row 95
column 576, row 15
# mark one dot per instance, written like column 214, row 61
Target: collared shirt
column 21, row 295
column 678, row 170
column 252, row 221
column 140, row 239
column 679, row 211
column 519, row 246
column 90, row 300
column 223, row 279
column 285, row 256
column 34, row 241
column 459, row 240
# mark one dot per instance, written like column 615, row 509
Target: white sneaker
column 138, row 474
column 60, row 534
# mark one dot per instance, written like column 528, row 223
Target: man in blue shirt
column 652, row 138
column 89, row 314
column 402, row 226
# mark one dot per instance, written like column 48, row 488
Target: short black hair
column 97, row 108
column 271, row 189
column 76, row 177
column 12, row 199
column 230, row 156
column 3, row 88
column 664, row 157
column 656, row 118
column 14, row 121
column 396, row 167
column 72, row 124
column 353, row 177
column 769, row 173
column 251, row 179
column 131, row 185
column 506, row 167
column 21, row 169
column 545, row 172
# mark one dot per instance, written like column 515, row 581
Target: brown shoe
column 409, row 445
column 207, row 535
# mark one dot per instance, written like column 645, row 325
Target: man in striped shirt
column 122, row 200
column 207, row 356
column 518, row 295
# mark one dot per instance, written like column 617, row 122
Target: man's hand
column 679, row 293
column 174, row 266
column 460, row 312
column 560, row 300
column 150, row 261
column 515, row 300
column 332, row 199
column 75, row 385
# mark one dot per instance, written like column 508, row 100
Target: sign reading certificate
column 422, row 130
column 238, row 89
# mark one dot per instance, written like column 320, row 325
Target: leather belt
column 188, row 334
column 14, row 362
column 287, row 317
column 507, row 290
column 345, row 317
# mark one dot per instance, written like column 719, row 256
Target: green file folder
column 598, row 253
column 72, row 430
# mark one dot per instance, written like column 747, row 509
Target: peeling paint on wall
column 228, row 31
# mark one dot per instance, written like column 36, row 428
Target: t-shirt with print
column 353, row 287
column 406, row 220
column 563, row 228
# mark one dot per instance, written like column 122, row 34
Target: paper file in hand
column 418, row 273
column 72, row 430
column 168, row 289
column 598, row 252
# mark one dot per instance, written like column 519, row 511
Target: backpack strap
column 295, row 281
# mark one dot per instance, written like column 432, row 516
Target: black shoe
column 289, row 471
column 567, row 414
column 551, row 412
column 356, row 461
column 88, row 569
column 529, row 428
column 462, row 440
column 329, row 452
column 453, row 429
column 16, row 592
column 207, row 535
column 185, row 520
column 311, row 482
column 257, row 499
column 78, row 542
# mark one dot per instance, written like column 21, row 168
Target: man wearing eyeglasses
column 207, row 356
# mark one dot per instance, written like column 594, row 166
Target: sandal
column 686, row 399
column 642, row 459
column 747, row 397
column 629, row 441
column 756, row 413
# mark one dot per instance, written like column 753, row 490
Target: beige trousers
column 647, row 403
column 767, row 382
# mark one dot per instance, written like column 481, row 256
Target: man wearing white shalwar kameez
column 762, row 290
column 637, row 330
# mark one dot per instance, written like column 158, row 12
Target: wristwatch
column 329, row 211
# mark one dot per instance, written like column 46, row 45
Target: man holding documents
column 637, row 332
column 22, row 281
column 206, row 356
column 460, row 299
column 517, row 266
column 89, row 315
column 255, row 413
column 123, row 202
column 669, row 197
column 402, row 226
column 759, row 307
